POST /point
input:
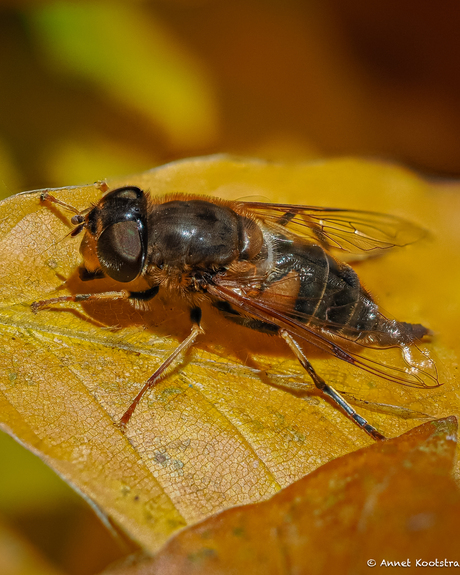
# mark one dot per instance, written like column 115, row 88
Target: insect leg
column 108, row 295
column 195, row 315
column 328, row 390
column 46, row 197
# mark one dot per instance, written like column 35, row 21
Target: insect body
column 268, row 267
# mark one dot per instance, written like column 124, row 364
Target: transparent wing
column 355, row 232
column 419, row 370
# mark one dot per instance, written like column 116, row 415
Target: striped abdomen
column 329, row 295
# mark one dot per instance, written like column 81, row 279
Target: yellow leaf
column 220, row 430
column 352, row 514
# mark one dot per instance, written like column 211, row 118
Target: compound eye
column 120, row 252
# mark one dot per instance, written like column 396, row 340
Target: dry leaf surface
column 350, row 514
column 220, row 430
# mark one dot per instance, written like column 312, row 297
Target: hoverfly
column 267, row 267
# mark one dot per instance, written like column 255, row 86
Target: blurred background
column 97, row 89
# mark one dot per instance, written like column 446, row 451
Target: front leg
column 103, row 296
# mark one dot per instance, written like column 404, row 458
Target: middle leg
column 182, row 348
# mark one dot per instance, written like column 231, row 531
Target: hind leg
column 329, row 391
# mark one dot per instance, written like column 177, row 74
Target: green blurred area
column 99, row 89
